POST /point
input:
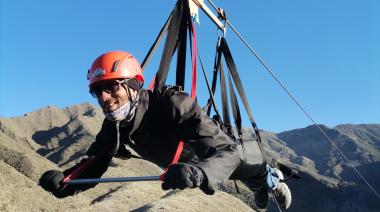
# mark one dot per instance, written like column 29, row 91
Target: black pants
column 252, row 163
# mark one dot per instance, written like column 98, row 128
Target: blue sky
column 326, row 52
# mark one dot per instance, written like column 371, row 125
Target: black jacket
column 161, row 121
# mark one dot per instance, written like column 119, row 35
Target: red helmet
column 114, row 65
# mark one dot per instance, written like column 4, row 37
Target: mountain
column 338, row 187
column 54, row 138
column 358, row 143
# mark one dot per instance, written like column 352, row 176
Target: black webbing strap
column 181, row 52
column 170, row 45
column 237, row 118
column 239, row 86
column 225, row 107
column 235, row 107
column 217, row 60
column 211, row 100
column 153, row 48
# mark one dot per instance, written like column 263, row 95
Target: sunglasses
column 108, row 87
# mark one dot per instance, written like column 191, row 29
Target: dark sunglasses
column 108, row 87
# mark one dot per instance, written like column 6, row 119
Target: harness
column 178, row 27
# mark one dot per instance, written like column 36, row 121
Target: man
column 152, row 123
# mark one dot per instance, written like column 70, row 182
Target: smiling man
column 152, row 123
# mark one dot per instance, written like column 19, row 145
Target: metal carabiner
column 223, row 18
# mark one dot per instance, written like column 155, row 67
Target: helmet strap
column 133, row 101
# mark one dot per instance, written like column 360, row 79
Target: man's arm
column 52, row 180
column 216, row 151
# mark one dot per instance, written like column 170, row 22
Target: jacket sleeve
column 95, row 170
column 217, row 152
column 105, row 139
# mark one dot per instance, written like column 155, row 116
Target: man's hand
column 181, row 176
column 51, row 180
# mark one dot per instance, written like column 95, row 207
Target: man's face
column 111, row 95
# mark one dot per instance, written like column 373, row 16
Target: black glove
column 51, row 180
column 181, row 176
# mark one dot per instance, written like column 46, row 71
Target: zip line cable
column 295, row 100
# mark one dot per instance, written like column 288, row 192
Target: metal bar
column 208, row 12
column 113, row 180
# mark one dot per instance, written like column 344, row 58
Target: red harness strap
column 151, row 84
column 193, row 94
column 78, row 171
column 194, row 63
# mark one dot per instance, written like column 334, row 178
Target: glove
column 51, row 180
column 181, row 176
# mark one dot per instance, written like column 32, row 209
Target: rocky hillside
column 53, row 138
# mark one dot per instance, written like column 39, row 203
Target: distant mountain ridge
column 312, row 154
column 52, row 138
column 359, row 144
